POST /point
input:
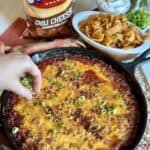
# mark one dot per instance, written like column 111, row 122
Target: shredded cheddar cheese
column 72, row 114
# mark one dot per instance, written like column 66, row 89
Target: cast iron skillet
column 126, row 69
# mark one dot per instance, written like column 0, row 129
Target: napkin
column 13, row 35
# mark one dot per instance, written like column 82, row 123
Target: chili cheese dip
column 84, row 104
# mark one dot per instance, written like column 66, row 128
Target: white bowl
column 116, row 53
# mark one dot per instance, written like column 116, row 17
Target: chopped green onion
column 59, row 84
column 97, row 84
column 15, row 130
column 117, row 96
column 48, row 110
column 54, row 97
column 55, row 82
column 63, row 74
column 141, row 18
column 104, row 109
column 47, row 147
column 80, row 101
column 93, row 127
column 59, row 122
column 115, row 110
column 77, row 76
column 55, row 132
column 35, row 102
column 101, row 103
column 66, row 59
column 82, row 98
column 52, row 81
column 27, row 81
column 35, row 138
column 77, row 103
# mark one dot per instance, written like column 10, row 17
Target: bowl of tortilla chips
column 111, row 34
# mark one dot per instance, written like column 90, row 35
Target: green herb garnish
column 59, row 122
column 80, row 101
column 15, row 130
column 48, row 110
column 47, row 147
column 35, row 138
column 53, row 81
column 101, row 103
column 27, row 81
column 77, row 76
column 93, row 127
column 63, row 74
column 54, row 97
column 104, row 109
column 66, row 59
column 55, row 132
column 141, row 18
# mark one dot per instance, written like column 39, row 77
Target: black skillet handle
column 145, row 56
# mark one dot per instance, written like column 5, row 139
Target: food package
column 48, row 18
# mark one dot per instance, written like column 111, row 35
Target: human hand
column 4, row 48
column 14, row 66
column 43, row 46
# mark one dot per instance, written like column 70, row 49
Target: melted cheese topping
column 63, row 116
column 45, row 13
